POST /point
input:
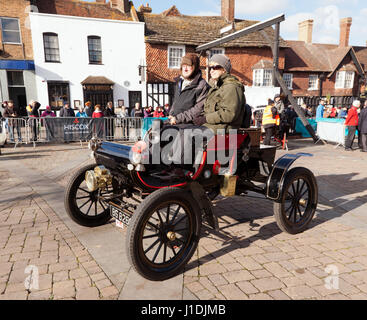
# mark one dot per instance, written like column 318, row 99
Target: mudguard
column 277, row 176
column 206, row 207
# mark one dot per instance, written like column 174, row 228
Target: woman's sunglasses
column 217, row 67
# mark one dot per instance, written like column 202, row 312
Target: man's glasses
column 217, row 67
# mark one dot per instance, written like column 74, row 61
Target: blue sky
column 325, row 13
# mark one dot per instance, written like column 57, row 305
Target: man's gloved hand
column 199, row 120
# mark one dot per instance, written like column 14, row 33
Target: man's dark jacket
column 362, row 123
column 109, row 112
column 67, row 112
column 189, row 103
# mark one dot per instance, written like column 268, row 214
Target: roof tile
column 197, row 30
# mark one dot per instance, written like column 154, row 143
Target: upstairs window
column 95, row 49
column 51, row 46
column 10, row 30
column 313, row 82
column 288, row 79
column 214, row 51
column 344, row 80
column 263, row 78
column 175, row 54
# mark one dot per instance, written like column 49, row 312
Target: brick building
column 170, row 35
column 80, row 52
column 325, row 70
column 17, row 77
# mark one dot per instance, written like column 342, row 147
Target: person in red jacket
column 97, row 111
column 158, row 113
column 352, row 123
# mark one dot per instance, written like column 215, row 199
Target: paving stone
column 195, row 286
column 346, row 288
column 276, row 269
column 217, row 279
column 15, row 287
column 5, row 268
column 232, row 292
column 249, row 263
column 305, row 262
column 45, row 281
column 63, row 266
column 2, row 287
column 63, row 289
column 21, row 295
column 261, row 273
column 308, row 277
column 260, row 296
column 351, row 279
column 109, row 292
column 207, row 284
column 205, row 295
column 301, row 292
column 336, row 296
column 93, row 270
column 87, row 294
column 85, row 258
column 268, row 284
column 247, row 287
column 78, row 273
column 278, row 295
column 325, row 291
column 40, row 295
column 61, row 276
column 98, row 276
column 362, row 287
column 103, row 284
column 213, row 268
column 358, row 296
column 82, row 283
column 236, row 276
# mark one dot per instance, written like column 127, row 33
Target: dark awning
column 97, row 80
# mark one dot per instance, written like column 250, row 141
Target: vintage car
column 164, row 212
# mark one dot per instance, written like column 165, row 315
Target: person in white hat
column 351, row 122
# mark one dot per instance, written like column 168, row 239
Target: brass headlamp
column 99, row 178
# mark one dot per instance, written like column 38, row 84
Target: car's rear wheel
column 298, row 202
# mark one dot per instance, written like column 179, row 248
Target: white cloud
column 364, row 12
column 336, row 2
column 325, row 27
column 253, row 7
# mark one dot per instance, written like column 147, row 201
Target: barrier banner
column 332, row 131
column 74, row 129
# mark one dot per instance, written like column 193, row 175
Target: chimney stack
column 228, row 10
column 145, row 9
column 101, row 1
column 305, row 31
column 345, row 25
column 122, row 5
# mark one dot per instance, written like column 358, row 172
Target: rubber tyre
column 71, row 206
column 135, row 232
column 279, row 207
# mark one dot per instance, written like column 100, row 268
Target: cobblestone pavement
column 249, row 258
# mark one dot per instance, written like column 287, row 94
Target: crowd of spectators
column 9, row 110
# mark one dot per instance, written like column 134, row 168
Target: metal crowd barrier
column 33, row 130
column 123, row 129
column 16, row 130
